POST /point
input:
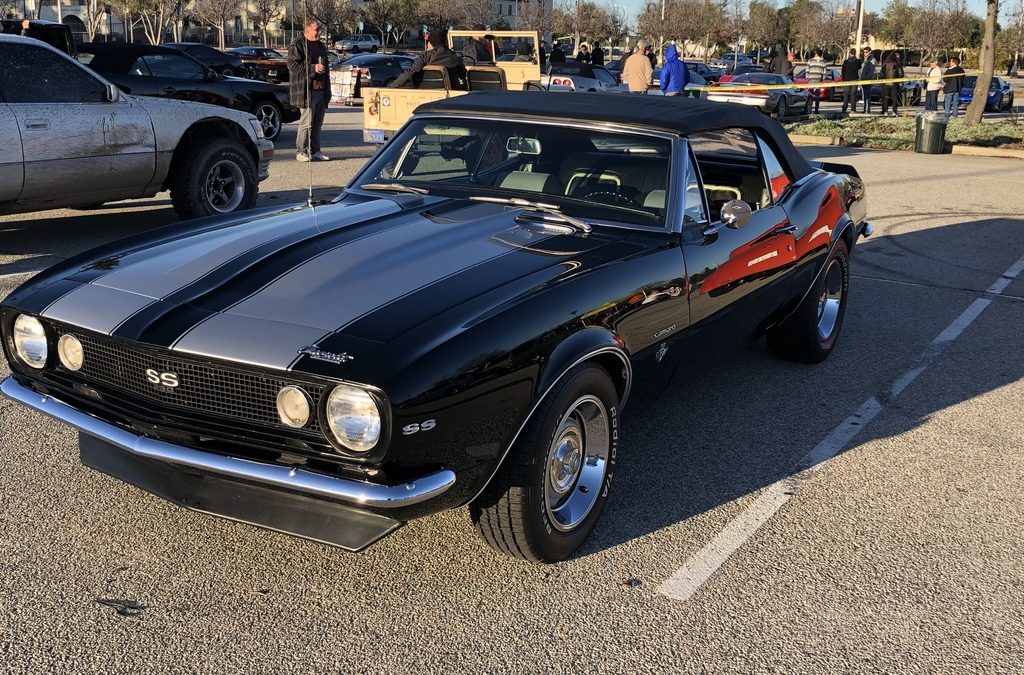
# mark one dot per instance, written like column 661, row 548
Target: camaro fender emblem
column 330, row 357
column 163, row 379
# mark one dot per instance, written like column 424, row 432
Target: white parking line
column 689, row 578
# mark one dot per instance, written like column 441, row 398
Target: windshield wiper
column 394, row 187
column 549, row 209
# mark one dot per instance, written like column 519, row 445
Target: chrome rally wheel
column 577, row 462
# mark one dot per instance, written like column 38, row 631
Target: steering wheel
column 617, row 199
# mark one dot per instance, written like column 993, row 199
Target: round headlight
column 293, row 406
column 30, row 341
column 353, row 418
column 69, row 349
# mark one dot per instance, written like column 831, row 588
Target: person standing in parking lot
column 674, row 74
column 891, row 69
column 637, row 70
column 850, row 73
column 309, row 90
column 557, row 55
column 868, row 72
column 583, row 55
column 597, row 56
column 934, row 86
column 815, row 74
column 954, row 83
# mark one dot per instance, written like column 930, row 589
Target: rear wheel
column 213, row 177
column 807, row 107
column 548, row 494
column 373, row 49
column 811, row 332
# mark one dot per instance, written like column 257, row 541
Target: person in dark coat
column 891, row 68
column 954, row 77
column 557, row 55
column 542, row 53
column 850, row 73
column 437, row 54
column 780, row 64
column 597, row 56
column 478, row 51
column 309, row 90
column 583, row 55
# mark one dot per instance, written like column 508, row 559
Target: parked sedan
column 832, row 74
column 223, row 63
column 740, row 70
column 145, row 70
column 778, row 102
column 377, row 70
column 709, row 73
column 1000, row 93
column 263, row 63
column 572, row 76
column 462, row 326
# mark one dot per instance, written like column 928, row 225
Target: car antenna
column 310, row 202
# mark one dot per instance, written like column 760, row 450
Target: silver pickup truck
column 72, row 139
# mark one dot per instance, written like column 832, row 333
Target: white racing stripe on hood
column 96, row 308
column 259, row 342
column 171, row 266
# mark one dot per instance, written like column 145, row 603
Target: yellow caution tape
column 818, row 85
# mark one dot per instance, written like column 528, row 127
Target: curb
column 969, row 150
column 978, row 151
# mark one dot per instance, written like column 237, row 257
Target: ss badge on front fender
column 426, row 425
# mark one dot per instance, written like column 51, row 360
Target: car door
column 69, row 130
column 177, row 76
column 605, row 79
column 729, row 265
column 12, row 160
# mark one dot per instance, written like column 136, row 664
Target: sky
column 976, row 6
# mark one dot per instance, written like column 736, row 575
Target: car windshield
column 588, row 174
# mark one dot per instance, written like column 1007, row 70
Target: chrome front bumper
column 357, row 493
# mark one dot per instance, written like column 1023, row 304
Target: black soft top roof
column 118, row 57
column 675, row 114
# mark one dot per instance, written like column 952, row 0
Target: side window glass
column 139, row 68
column 604, row 76
column 37, row 75
column 694, row 209
column 778, row 179
column 173, row 66
column 730, row 168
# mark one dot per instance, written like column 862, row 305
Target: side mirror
column 735, row 214
column 111, row 93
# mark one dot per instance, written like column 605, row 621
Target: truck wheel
column 214, row 176
column 811, row 332
column 548, row 494
column 269, row 116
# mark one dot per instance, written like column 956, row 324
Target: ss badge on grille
column 163, row 379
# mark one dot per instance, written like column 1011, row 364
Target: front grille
column 204, row 388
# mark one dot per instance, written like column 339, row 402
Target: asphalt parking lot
column 860, row 515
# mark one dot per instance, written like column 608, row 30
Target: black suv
column 144, row 70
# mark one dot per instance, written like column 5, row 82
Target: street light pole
column 860, row 24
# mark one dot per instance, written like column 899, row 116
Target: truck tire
column 810, row 333
column 548, row 494
column 213, row 177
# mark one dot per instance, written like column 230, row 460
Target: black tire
column 373, row 49
column 193, row 195
column 807, row 107
column 269, row 115
column 513, row 514
column 780, row 109
column 355, row 49
column 802, row 337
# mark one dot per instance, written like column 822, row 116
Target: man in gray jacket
column 868, row 71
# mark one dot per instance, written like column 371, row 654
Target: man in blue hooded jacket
column 674, row 74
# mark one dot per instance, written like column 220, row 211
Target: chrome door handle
column 37, row 124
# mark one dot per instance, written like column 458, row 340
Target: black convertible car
column 463, row 326
column 145, row 70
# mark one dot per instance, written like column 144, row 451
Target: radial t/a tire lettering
column 548, row 494
column 810, row 334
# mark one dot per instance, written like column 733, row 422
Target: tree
column 762, row 25
column 389, row 17
column 987, row 57
column 94, row 15
column 127, row 12
column 154, row 15
column 333, row 15
column 216, row 13
column 839, row 25
column 805, row 26
column 448, row 13
column 534, row 15
column 266, row 11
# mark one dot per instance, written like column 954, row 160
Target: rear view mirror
column 111, row 93
column 522, row 146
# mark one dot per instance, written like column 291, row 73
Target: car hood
column 187, row 110
column 258, row 290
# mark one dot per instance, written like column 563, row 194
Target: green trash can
column 930, row 136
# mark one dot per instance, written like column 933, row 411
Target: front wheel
column 373, row 49
column 780, row 109
column 548, row 494
column 269, row 117
column 810, row 334
column 213, row 177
